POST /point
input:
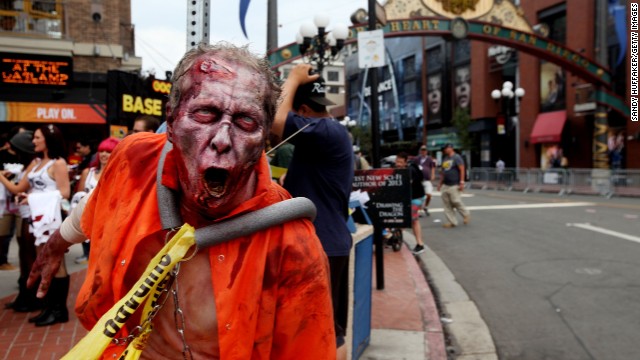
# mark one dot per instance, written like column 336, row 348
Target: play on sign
column 53, row 113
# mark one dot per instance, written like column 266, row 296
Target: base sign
column 389, row 193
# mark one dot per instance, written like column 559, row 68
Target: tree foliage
column 462, row 121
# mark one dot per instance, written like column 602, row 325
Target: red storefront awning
column 548, row 127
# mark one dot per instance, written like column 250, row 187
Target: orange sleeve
column 304, row 325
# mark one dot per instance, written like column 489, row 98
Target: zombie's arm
column 52, row 253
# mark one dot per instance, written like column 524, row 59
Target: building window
column 462, row 50
column 434, row 59
column 333, row 75
column 409, row 66
column 556, row 19
column 552, row 76
column 333, row 89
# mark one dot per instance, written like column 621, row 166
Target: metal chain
column 178, row 316
column 165, row 286
column 136, row 331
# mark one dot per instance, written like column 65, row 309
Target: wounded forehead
column 224, row 69
column 216, row 67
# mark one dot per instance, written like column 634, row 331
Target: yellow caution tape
column 96, row 341
column 277, row 172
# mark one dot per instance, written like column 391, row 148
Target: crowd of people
column 279, row 292
column 41, row 182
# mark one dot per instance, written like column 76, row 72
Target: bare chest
column 194, row 312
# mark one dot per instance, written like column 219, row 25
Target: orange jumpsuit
column 272, row 291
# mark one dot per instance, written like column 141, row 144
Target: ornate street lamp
column 507, row 94
column 318, row 46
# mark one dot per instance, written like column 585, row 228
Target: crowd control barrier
column 602, row 182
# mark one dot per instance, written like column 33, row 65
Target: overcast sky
column 160, row 26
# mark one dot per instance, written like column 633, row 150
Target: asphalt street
column 553, row 277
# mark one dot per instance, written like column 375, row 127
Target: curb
column 469, row 332
column 435, row 348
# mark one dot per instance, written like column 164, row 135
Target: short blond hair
column 238, row 54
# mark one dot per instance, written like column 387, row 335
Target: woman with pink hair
column 89, row 180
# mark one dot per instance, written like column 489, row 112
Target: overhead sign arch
column 526, row 42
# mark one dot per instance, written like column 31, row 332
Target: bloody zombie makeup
column 218, row 131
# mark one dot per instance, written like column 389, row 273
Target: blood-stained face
column 218, row 132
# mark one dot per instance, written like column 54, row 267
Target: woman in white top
column 46, row 175
column 89, row 181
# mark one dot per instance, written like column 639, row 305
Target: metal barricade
column 550, row 180
column 625, row 183
column 521, row 180
column 478, row 178
column 590, row 182
column 500, row 180
column 602, row 182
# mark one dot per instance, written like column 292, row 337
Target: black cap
column 447, row 145
column 314, row 92
column 22, row 141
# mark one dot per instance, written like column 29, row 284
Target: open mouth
column 215, row 181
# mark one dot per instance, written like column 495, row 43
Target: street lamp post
column 507, row 94
column 318, row 46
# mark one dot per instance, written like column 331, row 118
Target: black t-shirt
column 417, row 190
column 322, row 170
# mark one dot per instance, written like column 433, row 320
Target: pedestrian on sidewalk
column 26, row 300
column 89, row 180
column 417, row 196
column 428, row 166
column 9, row 157
column 322, row 170
column 47, row 183
column 500, row 170
column 451, row 186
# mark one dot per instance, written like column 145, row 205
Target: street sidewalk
column 405, row 321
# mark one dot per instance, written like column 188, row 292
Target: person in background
column 451, row 186
column 47, row 181
column 322, row 170
column 360, row 163
column 86, row 149
column 500, row 170
column 145, row 123
column 283, row 156
column 417, row 197
column 89, row 181
column 428, row 166
column 8, row 155
column 26, row 301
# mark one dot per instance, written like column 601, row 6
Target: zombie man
column 261, row 296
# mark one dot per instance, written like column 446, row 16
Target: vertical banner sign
column 389, row 193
